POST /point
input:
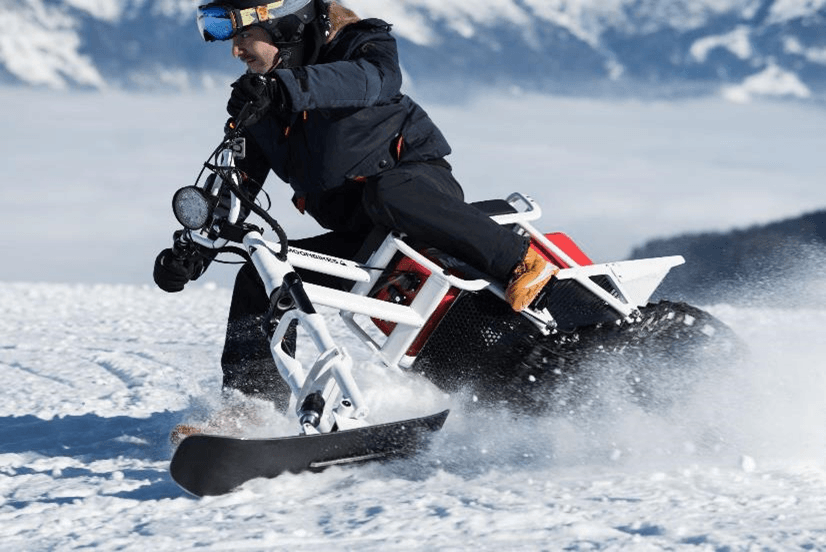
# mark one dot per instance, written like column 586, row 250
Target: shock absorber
column 311, row 410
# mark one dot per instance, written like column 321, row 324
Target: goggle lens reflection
column 215, row 22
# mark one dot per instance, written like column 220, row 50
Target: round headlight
column 192, row 207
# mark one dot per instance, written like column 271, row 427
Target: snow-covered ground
column 96, row 375
column 98, row 365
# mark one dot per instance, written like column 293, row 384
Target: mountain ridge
column 739, row 48
column 740, row 265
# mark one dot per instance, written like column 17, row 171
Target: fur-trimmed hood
column 340, row 17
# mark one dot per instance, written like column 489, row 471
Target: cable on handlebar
column 232, row 131
column 235, row 250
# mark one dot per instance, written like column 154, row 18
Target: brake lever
column 236, row 124
column 181, row 244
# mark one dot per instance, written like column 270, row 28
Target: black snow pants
column 422, row 200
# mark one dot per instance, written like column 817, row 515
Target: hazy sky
column 88, row 178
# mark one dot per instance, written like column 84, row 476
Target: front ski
column 206, row 465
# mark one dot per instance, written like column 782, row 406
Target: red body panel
column 406, row 296
column 567, row 245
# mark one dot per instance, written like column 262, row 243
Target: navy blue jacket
column 345, row 117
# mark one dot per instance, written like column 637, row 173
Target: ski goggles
column 221, row 22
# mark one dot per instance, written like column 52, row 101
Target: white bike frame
column 331, row 374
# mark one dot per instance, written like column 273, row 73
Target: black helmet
column 297, row 27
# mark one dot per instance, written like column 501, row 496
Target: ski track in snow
column 95, row 376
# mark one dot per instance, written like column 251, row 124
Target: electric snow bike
column 419, row 309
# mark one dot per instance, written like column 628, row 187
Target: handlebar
column 224, row 169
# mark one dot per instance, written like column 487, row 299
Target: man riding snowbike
column 322, row 108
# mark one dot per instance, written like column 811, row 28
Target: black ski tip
column 208, row 465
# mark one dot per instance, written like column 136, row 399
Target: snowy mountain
column 741, row 47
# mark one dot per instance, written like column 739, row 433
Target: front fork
column 327, row 397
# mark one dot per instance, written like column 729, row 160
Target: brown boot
column 181, row 432
column 528, row 279
column 232, row 420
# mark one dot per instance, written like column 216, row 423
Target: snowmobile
column 420, row 310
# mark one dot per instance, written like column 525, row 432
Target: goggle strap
column 259, row 14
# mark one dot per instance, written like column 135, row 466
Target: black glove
column 260, row 92
column 173, row 271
